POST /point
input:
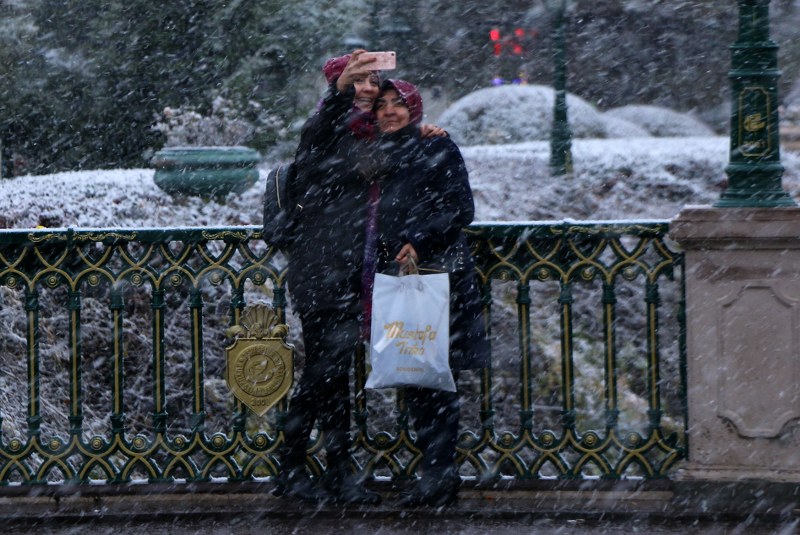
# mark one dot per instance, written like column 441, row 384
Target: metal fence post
column 755, row 170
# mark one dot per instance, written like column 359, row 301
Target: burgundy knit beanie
column 410, row 95
column 334, row 67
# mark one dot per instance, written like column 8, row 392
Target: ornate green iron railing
column 113, row 360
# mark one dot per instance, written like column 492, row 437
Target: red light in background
column 516, row 41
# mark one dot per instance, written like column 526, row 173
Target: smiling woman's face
column 367, row 90
column 391, row 112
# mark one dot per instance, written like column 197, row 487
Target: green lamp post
column 754, row 170
column 560, row 135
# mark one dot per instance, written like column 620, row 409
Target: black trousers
column 435, row 416
column 322, row 394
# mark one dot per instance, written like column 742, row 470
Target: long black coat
column 426, row 200
column 327, row 251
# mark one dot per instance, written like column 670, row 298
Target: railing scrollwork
column 114, row 357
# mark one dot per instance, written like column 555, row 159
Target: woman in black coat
column 324, row 280
column 425, row 204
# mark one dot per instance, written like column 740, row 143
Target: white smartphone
column 384, row 61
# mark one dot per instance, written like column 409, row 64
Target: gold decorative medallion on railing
column 260, row 362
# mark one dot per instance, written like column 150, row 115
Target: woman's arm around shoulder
column 447, row 172
column 446, row 206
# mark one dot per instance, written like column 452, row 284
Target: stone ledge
column 753, row 228
column 659, row 500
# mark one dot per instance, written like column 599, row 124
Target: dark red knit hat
column 334, row 67
column 410, row 95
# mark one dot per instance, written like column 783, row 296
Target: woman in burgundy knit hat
column 323, row 280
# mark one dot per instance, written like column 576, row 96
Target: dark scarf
column 361, row 124
column 385, row 154
column 370, row 257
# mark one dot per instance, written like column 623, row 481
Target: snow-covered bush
column 520, row 113
column 791, row 114
column 662, row 122
column 621, row 128
column 515, row 113
column 613, row 179
column 225, row 125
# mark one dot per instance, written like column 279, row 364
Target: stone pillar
column 743, row 342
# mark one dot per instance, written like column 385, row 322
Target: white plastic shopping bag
column 410, row 332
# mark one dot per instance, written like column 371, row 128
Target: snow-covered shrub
column 613, row 179
column 662, row 122
column 792, row 97
column 791, row 114
column 225, row 125
column 515, row 113
column 790, row 128
column 621, row 128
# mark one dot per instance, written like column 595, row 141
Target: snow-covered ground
column 624, row 168
column 613, row 179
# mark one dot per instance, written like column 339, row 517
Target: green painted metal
column 152, row 406
column 561, row 134
column 755, row 170
column 523, row 319
column 609, row 334
column 205, row 171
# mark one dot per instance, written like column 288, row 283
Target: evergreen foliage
column 84, row 82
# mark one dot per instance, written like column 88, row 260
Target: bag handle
column 410, row 267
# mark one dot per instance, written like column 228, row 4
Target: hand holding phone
column 384, row 61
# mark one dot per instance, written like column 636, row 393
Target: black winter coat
column 327, row 251
column 426, row 200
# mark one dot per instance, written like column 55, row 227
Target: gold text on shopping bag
column 409, row 341
column 397, row 329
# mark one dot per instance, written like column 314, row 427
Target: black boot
column 340, row 480
column 293, row 481
column 433, row 489
column 296, row 483
column 346, row 487
column 435, row 414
